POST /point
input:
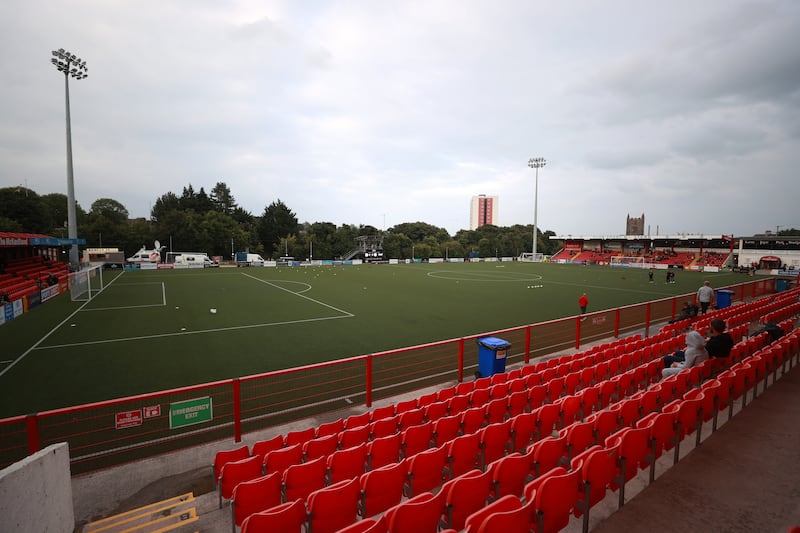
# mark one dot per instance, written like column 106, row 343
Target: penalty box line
column 162, row 304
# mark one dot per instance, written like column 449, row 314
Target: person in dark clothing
column 689, row 310
column 774, row 330
column 720, row 342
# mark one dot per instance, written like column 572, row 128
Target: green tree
column 222, row 199
column 25, row 207
column 55, row 205
column 277, row 222
column 7, row 224
column 164, row 204
column 397, row 245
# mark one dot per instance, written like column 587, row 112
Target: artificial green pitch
column 155, row 330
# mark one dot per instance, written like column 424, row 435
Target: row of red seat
column 653, row 374
column 445, row 429
column 488, row 443
column 572, row 472
column 551, row 492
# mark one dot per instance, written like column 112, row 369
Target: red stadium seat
column 280, row 460
column 446, row 429
column 263, row 447
column 320, row 447
column 227, row 456
column 464, row 495
column 286, row 518
column 383, row 427
column 300, row 437
column 598, row 468
column 472, row 420
column 552, row 498
column 463, row 454
column 234, row 472
column 382, row 488
column 578, row 436
column 334, row 507
column 495, row 441
column 301, row 480
column 347, row 464
column 504, row 515
column 547, row 454
column 420, row 514
column 510, row 473
column 413, row 417
column 383, row 451
column 255, row 495
column 523, row 428
column 353, row 437
column 417, row 438
column 330, row 428
column 426, row 470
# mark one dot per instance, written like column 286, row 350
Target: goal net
column 86, row 283
column 532, row 258
column 630, row 261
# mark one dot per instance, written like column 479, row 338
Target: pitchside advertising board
column 181, row 414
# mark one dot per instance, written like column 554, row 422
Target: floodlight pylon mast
column 71, row 66
column 536, row 163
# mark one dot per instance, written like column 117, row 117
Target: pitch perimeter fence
column 113, row 432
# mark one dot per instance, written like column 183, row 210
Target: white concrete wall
column 36, row 493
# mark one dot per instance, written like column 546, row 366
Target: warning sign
column 128, row 419
column 152, row 411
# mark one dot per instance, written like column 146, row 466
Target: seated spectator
column 719, row 343
column 4, row 298
column 774, row 330
column 694, row 354
column 689, row 310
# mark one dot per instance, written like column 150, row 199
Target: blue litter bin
column 724, row 298
column 781, row 285
column 492, row 356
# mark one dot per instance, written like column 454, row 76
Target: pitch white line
column 123, row 307
column 214, row 330
column 162, row 304
column 37, row 343
column 300, row 295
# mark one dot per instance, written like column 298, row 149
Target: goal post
column 629, row 261
column 86, row 283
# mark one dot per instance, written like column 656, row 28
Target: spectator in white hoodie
column 695, row 353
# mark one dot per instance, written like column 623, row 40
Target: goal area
column 86, row 283
column 630, row 261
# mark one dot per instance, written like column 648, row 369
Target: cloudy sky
column 382, row 112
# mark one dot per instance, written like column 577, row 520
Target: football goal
column 630, row 261
column 531, row 258
column 86, row 283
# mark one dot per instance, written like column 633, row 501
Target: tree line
column 212, row 222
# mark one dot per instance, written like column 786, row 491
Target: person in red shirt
column 583, row 302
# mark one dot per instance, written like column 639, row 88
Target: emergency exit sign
column 189, row 412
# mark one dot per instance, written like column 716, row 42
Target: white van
column 195, row 260
column 247, row 259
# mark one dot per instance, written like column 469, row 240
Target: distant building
column 484, row 210
column 634, row 226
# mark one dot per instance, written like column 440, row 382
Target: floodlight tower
column 536, row 163
column 71, row 66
